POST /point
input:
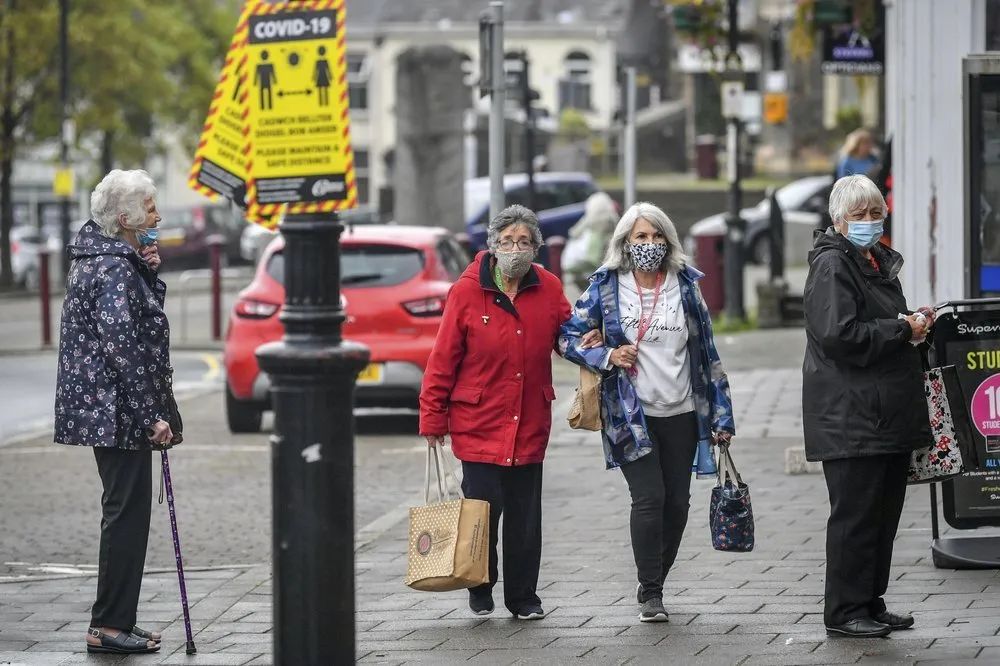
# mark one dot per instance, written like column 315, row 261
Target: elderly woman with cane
column 863, row 404
column 113, row 390
column 665, row 396
column 488, row 384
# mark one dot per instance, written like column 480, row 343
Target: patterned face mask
column 647, row 257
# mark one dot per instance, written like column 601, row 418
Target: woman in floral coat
column 113, row 390
column 664, row 394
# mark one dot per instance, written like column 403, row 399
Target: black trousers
column 866, row 500
column 660, row 485
column 126, row 504
column 515, row 492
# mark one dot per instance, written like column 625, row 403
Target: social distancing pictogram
column 282, row 105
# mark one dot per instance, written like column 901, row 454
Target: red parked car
column 394, row 283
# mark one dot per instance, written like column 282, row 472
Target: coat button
column 508, row 459
column 515, row 418
column 519, row 374
column 516, row 460
column 498, row 300
column 519, row 331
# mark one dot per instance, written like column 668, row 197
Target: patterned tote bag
column 952, row 449
column 730, row 515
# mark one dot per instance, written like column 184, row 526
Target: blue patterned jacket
column 625, row 435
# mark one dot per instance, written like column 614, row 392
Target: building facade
column 926, row 118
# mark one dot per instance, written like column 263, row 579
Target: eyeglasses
column 507, row 245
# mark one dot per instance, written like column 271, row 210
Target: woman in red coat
column 488, row 384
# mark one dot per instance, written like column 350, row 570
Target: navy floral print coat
column 625, row 434
column 114, row 378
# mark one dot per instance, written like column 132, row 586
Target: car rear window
column 365, row 265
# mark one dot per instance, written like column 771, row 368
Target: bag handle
column 732, row 465
column 441, row 473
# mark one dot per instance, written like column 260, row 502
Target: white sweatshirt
column 663, row 382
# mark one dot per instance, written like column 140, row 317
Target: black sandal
column 123, row 643
column 139, row 632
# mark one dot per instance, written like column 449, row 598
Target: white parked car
column 803, row 204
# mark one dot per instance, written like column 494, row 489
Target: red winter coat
column 488, row 381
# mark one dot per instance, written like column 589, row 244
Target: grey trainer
column 652, row 610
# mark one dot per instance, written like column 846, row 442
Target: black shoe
column 481, row 603
column 894, row 621
column 533, row 612
column 861, row 627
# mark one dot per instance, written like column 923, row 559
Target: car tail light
column 251, row 309
column 14, row 247
column 425, row 307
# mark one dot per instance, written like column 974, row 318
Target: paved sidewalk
column 763, row 607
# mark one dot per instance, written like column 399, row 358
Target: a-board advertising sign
column 970, row 340
column 219, row 166
column 299, row 130
column 279, row 124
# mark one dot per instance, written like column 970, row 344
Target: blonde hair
column 853, row 142
column 619, row 259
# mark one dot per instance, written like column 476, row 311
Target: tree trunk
column 107, row 152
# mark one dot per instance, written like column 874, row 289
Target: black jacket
column 862, row 380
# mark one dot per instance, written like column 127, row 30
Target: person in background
column 588, row 238
column 114, row 389
column 863, row 405
column 857, row 156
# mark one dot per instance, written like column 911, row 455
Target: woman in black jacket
column 863, row 407
column 113, row 390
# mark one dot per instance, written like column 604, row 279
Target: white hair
column 121, row 193
column 619, row 259
column 851, row 193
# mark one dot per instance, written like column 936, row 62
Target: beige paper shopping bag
column 448, row 539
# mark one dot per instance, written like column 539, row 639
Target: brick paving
column 763, row 607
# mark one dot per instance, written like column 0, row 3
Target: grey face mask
column 515, row 264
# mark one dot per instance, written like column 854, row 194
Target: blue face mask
column 864, row 234
column 147, row 236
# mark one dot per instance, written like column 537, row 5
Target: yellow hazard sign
column 221, row 157
column 775, row 108
column 298, row 130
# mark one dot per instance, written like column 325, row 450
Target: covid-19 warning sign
column 292, row 124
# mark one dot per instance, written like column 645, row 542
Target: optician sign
column 857, row 46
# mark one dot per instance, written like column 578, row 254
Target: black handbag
column 730, row 514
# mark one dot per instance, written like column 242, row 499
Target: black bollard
column 313, row 373
column 776, row 238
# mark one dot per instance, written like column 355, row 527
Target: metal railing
column 227, row 275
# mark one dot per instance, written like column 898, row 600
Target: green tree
column 135, row 66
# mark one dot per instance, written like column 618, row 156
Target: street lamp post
column 735, row 226
column 313, row 373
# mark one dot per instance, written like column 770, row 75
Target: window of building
column 362, row 174
column 358, row 71
column 574, row 86
column 993, row 25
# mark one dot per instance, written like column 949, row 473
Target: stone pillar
column 430, row 156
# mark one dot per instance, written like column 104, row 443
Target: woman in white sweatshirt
column 664, row 394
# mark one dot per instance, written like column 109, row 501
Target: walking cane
column 191, row 649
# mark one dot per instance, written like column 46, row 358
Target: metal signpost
column 968, row 337
column 732, row 103
column 282, row 104
column 493, row 81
